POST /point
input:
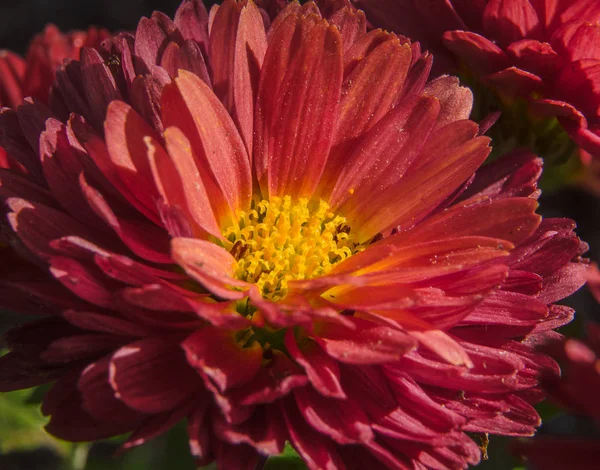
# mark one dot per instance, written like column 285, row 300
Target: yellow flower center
column 280, row 240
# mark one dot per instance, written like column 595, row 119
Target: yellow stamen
column 277, row 241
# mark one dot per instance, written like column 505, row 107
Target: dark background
column 20, row 20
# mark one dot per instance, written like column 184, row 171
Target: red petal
column 322, row 371
column 144, row 239
column 381, row 158
column 98, row 151
column 13, row 140
column 237, row 46
column 144, row 95
column 37, row 226
column 152, row 375
column 352, row 24
column 444, row 346
column 191, row 18
column 513, row 220
column 98, row 83
column 480, row 54
column 372, row 88
column 296, row 110
column 210, row 265
column 180, row 182
column 534, row 56
column 264, row 430
column 515, row 82
column 510, row 20
column 11, row 73
column 445, row 162
column 219, row 151
column 216, row 353
column 317, row 450
column 98, row 397
column 273, row 381
column 156, row 425
column 370, row 343
column 341, row 420
column 62, row 162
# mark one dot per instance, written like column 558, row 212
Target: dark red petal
column 274, row 380
column 98, row 83
column 318, row 451
column 560, row 453
column 341, row 420
column 217, row 354
column 481, row 55
column 510, row 20
column 152, row 375
column 264, row 430
column 142, row 238
column 321, row 369
column 98, row 397
column 156, row 425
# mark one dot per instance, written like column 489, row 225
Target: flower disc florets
column 281, row 240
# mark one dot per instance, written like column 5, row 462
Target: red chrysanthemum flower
column 577, row 390
column 33, row 76
column 545, row 51
column 279, row 234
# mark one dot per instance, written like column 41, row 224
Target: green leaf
column 287, row 460
column 23, row 425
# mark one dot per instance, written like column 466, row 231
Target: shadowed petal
column 152, row 375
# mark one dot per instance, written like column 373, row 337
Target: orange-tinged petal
column 372, row 88
column 296, row 111
column 510, row 219
column 463, row 251
column 382, row 157
column 215, row 142
column 180, row 180
column 210, row 265
column 435, row 175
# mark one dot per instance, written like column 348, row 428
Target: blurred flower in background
column 273, row 224
column 577, row 391
column 541, row 60
column 33, row 76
